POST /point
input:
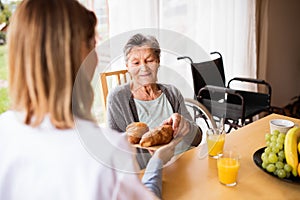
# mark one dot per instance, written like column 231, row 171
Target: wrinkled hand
column 165, row 153
column 180, row 126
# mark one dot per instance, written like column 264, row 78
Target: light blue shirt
column 152, row 178
column 154, row 112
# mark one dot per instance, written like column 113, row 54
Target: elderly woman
column 145, row 100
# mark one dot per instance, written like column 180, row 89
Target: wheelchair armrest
column 213, row 88
column 251, row 80
column 223, row 101
column 221, row 90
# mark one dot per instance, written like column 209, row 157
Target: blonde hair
column 44, row 43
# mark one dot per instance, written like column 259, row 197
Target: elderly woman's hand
column 179, row 124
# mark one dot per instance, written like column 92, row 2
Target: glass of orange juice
column 215, row 139
column 228, row 166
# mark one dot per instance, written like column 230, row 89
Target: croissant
column 135, row 131
column 160, row 135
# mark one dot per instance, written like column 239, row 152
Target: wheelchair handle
column 185, row 57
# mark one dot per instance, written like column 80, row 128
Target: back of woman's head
column 45, row 41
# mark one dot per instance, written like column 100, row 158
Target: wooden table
column 193, row 178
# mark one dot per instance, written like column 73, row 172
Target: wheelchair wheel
column 200, row 114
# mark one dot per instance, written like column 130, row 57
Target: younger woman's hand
column 165, row 153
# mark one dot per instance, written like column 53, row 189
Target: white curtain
column 216, row 25
column 127, row 15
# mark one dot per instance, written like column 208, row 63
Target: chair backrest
column 112, row 79
column 208, row 73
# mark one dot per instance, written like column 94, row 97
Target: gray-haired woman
column 145, row 100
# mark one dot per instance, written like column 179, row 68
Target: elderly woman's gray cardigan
column 121, row 109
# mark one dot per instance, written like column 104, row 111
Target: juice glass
column 215, row 139
column 228, row 166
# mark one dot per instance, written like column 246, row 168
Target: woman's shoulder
column 171, row 88
column 120, row 90
column 9, row 117
column 107, row 140
column 6, row 114
column 113, row 137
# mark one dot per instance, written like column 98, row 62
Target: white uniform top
column 47, row 163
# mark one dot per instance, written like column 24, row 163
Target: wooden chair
column 112, row 79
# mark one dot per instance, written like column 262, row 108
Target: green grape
column 275, row 149
column 273, row 138
column 264, row 165
column 279, row 146
column 280, row 159
column 267, row 136
column 282, row 136
column 281, row 173
column 268, row 150
column 265, row 158
column 272, row 144
column 276, row 132
column 287, row 168
column 272, row 158
column 279, row 165
column 280, row 141
column 281, row 154
column 270, row 168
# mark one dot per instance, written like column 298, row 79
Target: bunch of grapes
column 273, row 158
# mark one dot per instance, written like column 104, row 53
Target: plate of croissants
column 139, row 134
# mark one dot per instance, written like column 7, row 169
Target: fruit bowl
column 258, row 161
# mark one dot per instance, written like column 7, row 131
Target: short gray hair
column 139, row 40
